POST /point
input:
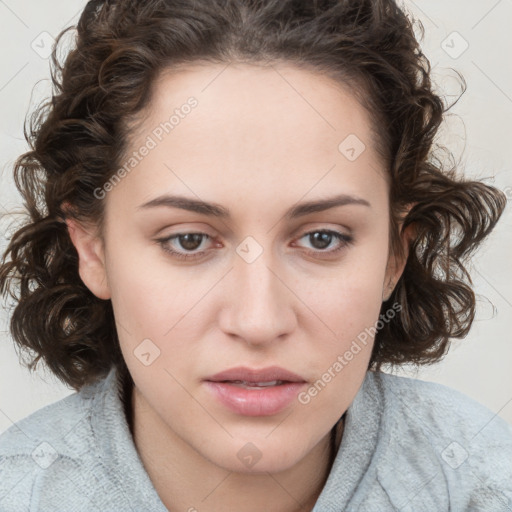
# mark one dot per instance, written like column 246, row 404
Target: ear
column 91, row 260
column 397, row 262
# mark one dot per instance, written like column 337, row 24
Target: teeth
column 244, row 383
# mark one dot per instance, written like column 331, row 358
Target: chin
column 257, row 457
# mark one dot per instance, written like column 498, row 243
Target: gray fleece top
column 407, row 445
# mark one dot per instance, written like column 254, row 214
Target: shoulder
column 49, row 443
column 60, row 423
column 442, row 435
column 47, row 422
column 442, row 410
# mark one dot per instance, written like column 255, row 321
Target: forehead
column 258, row 103
column 254, row 129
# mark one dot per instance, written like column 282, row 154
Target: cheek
column 353, row 298
column 153, row 300
column 340, row 362
column 349, row 308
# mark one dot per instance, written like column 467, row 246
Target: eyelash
column 343, row 238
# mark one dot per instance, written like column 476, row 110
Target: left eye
column 323, row 238
column 192, row 241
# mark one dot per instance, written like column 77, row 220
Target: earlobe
column 396, row 264
column 387, row 291
column 91, row 260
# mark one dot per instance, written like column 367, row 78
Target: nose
column 260, row 306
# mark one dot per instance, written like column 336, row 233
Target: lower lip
column 257, row 401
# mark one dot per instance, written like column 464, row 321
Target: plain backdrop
column 470, row 36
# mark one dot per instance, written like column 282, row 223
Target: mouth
column 251, row 392
column 270, row 376
column 254, row 385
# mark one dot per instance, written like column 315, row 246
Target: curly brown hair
column 77, row 140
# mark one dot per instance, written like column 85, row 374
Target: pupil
column 323, row 237
column 192, row 241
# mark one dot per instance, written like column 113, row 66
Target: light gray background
column 478, row 131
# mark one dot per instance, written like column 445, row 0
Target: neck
column 185, row 480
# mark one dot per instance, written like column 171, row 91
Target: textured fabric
column 407, row 445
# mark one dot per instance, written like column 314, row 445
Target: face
column 243, row 323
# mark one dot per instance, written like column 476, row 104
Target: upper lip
column 268, row 374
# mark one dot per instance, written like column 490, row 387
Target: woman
column 236, row 218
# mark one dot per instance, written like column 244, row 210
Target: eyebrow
column 217, row 210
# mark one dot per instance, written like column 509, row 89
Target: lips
column 251, row 392
column 254, row 377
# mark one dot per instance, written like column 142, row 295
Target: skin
column 259, row 141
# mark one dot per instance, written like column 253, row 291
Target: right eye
column 187, row 241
